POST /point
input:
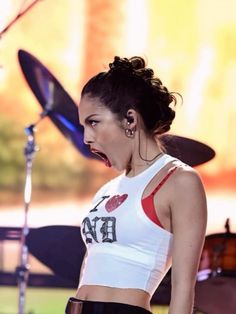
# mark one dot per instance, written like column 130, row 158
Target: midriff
column 135, row 297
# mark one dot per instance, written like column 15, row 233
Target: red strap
column 148, row 203
column 163, row 181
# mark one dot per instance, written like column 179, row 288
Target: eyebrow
column 89, row 117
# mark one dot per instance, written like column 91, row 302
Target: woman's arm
column 188, row 220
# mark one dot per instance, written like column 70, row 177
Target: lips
column 102, row 156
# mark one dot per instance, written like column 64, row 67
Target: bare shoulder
column 188, row 196
column 186, row 179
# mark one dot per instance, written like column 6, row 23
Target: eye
column 93, row 123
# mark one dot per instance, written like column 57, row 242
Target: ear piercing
column 129, row 133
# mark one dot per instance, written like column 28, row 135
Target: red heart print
column 115, row 202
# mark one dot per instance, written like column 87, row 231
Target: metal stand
column 219, row 251
column 17, row 17
column 23, row 269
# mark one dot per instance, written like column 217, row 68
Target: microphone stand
column 22, row 270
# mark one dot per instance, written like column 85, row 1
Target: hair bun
column 134, row 66
column 121, row 65
column 137, row 62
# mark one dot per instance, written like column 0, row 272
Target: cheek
column 112, row 135
column 104, row 137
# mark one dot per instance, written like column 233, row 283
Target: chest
column 115, row 217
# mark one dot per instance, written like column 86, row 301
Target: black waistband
column 76, row 306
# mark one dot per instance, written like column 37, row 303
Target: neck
column 146, row 152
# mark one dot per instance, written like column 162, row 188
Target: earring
column 129, row 133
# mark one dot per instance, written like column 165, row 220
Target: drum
column 216, row 279
column 218, row 256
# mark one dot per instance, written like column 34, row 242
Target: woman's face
column 104, row 133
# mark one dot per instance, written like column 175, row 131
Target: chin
column 119, row 168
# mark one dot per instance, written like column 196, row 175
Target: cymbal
column 190, row 151
column 61, row 109
column 60, row 248
column 55, row 101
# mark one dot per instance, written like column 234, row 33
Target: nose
column 88, row 137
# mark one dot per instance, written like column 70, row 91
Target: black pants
column 76, row 306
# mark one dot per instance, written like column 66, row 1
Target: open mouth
column 102, row 156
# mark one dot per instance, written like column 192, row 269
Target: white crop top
column 125, row 249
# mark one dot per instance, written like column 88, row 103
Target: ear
column 131, row 118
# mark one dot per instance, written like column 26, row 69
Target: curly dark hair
column 130, row 84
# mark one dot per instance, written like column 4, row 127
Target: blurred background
column 191, row 45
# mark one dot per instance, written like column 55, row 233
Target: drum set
column 216, row 280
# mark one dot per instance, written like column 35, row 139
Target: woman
column 148, row 218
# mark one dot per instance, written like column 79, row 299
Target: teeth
column 100, row 154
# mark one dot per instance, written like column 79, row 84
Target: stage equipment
column 22, row 271
column 64, row 114
column 19, row 15
column 216, row 279
column 60, row 248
